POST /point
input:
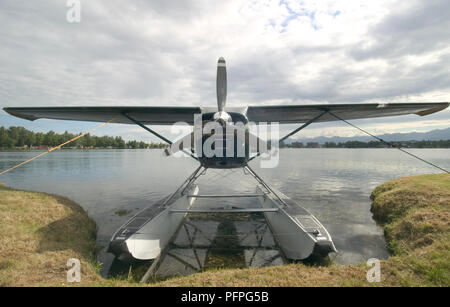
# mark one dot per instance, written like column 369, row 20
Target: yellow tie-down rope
column 59, row 146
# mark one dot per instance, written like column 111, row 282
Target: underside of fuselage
column 223, row 162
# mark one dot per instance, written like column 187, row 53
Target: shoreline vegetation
column 371, row 144
column 19, row 138
column 42, row 231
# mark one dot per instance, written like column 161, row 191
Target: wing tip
column 17, row 114
column 433, row 110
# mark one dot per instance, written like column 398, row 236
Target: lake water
column 334, row 184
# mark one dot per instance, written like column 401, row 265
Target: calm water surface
column 334, row 184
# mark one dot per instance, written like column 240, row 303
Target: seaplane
column 219, row 142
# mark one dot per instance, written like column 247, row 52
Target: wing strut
column 303, row 126
column 390, row 144
column 295, row 131
column 155, row 133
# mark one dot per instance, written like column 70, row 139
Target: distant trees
column 5, row 140
column 378, row 144
column 136, row 144
column 297, row 145
column 19, row 137
column 371, row 144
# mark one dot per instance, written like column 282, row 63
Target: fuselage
column 223, row 148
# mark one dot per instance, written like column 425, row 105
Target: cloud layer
column 164, row 53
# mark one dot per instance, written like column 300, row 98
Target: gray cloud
column 164, row 52
column 420, row 28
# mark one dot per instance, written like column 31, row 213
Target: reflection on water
column 334, row 184
column 210, row 241
column 207, row 241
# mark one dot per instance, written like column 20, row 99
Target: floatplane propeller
column 297, row 232
column 226, row 132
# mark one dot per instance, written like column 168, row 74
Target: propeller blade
column 221, row 84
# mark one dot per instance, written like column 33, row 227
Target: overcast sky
column 150, row 53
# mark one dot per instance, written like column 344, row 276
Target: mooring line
column 59, row 146
column 390, row 144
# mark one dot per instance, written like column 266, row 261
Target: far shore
column 281, row 148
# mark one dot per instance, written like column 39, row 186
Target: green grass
column 415, row 214
column 46, row 230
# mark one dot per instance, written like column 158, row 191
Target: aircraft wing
column 277, row 113
column 285, row 114
column 146, row 115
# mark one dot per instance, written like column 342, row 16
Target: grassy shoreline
column 43, row 231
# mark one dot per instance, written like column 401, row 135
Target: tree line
column 370, row 144
column 19, row 137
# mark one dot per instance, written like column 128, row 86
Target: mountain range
column 433, row 135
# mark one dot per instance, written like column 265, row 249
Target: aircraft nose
column 221, row 60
